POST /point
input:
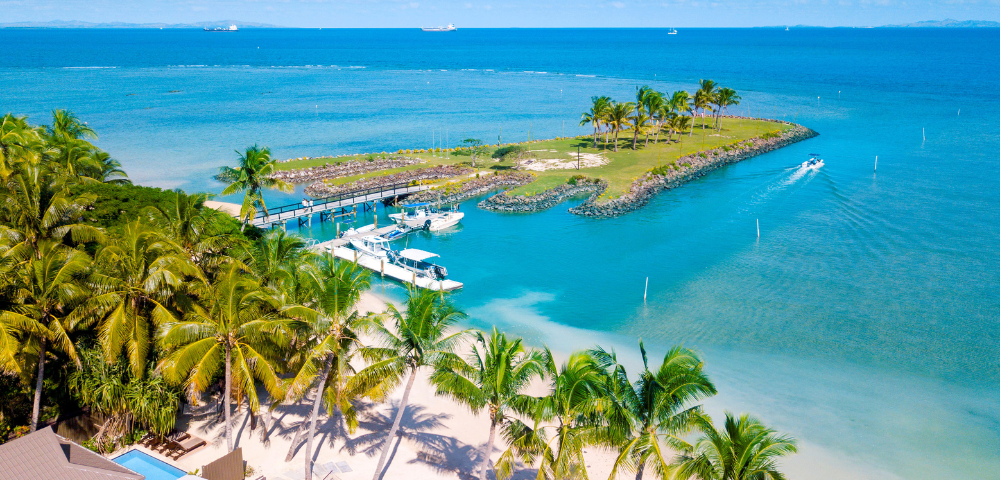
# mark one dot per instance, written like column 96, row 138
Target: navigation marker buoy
column 758, row 228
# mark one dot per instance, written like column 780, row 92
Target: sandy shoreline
column 439, row 438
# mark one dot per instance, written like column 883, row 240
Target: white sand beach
column 439, row 439
column 586, row 160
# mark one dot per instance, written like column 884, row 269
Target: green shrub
column 118, row 203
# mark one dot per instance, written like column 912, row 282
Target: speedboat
column 422, row 215
column 372, row 245
column 814, row 162
column 416, row 262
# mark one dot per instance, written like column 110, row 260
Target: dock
column 326, row 208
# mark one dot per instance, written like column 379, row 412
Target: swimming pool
column 151, row 468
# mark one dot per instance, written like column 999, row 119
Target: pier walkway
column 327, row 207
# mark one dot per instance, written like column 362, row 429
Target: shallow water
column 863, row 320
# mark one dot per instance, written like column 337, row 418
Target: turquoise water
column 864, row 319
column 146, row 465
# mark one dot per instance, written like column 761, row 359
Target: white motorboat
column 421, row 215
column 814, row 162
column 372, row 245
column 416, row 261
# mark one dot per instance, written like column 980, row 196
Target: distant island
column 949, row 23
column 76, row 24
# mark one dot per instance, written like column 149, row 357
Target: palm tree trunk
column 638, row 471
column 38, row 386
column 226, row 395
column 595, row 134
column 315, row 413
column 395, row 424
column 635, row 137
column 616, row 140
column 295, row 441
column 489, row 449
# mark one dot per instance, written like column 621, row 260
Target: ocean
column 864, row 320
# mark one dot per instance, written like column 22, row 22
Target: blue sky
column 506, row 13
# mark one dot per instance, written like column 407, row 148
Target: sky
column 506, row 13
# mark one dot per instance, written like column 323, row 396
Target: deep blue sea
column 865, row 320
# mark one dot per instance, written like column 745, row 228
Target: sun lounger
column 183, row 447
column 167, row 443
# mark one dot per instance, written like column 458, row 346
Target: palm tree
column 200, row 232
column 656, row 408
column 252, row 176
column 704, row 98
column 618, row 118
column 495, row 376
column 235, row 327
column 659, row 111
column 573, row 410
column 138, row 274
column 18, row 141
column 596, row 115
column 419, row 338
column 640, row 124
column 724, row 98
column 109, row 169
column 744, row 450
column 331, row 334
column 681, row 123
column 66, row 124
column 47, row 288
column 35, row 207
column 274, row 258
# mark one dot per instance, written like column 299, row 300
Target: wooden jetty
column 330, row 207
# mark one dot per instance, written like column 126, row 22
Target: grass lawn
column 623, row 168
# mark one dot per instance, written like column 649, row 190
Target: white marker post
column 876, row 163
column 758, row 228
column 646, row 290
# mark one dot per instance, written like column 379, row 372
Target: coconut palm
column 66, row 124
column 659, row 112
column 109, row 170
column 34, row 207
column 573, row 411
column 200, row 232
column 640, row 124
column 704, row 98
column 493, row 377
column 725, row 98
column 680, row 124
column 274, row 258
column 657, row 408
column 745, row 449
column 138, row 273
column 596, row 115
column 418, row 338
column 18, row 141
column 47, row 287
column 234, row 327
column 618, row 118
column 331, row 342
column 250, row 177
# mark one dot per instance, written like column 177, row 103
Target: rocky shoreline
column 502, row 202
column 322, row 189
column 473, row 187
column 684, row 170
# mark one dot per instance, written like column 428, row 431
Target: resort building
column 45, row 455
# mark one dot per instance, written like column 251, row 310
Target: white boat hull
column 447, row 220
column 384, row 267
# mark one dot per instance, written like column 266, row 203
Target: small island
column 636, row 149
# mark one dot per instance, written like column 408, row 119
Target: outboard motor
column 440, row 272
column 427, row 225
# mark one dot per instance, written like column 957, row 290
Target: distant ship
column 449, row 28
column 231, row 28
column 672, row 31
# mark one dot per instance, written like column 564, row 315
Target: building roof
column 43, row 454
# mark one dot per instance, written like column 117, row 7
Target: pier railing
column 294, row 210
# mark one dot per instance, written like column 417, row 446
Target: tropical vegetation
column 128, row 302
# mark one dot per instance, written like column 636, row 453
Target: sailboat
column 673, row 31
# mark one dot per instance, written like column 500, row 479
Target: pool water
column 151, row 468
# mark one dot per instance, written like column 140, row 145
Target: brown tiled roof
column 45, row 455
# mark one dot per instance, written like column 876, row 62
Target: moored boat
column 422, row 215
